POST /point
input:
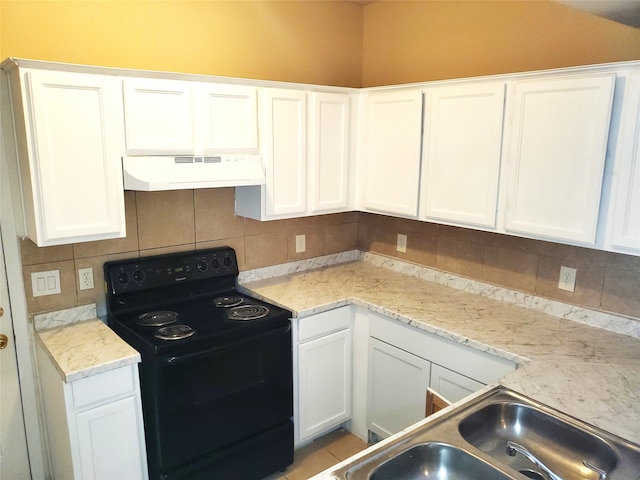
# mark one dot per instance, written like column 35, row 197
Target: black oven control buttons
column 202, row 266
column 140, row 274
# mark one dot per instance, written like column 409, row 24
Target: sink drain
column 532, row 474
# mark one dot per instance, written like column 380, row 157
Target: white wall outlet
column 301, row 243
column 85, row 278
column 567, row 279
column 45, row 283
column 402, row 243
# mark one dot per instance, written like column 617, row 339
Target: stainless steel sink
column 561, row 444
column 501, row 435
column 434, row 461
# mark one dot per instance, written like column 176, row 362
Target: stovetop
column 184, row 302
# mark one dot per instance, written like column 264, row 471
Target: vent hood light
column 184, row 172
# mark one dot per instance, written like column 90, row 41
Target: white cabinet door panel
column 555, row 159
column 328, row 151
column 462, row 145
column 324, row 382
column 75, row 166
column 108, row 445
column 451, row 385
column 159, row 116
column 284, row 149
column 392, row 152
column 397, row 384
column 229, row 118
column 625, row 229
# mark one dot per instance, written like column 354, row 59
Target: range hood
column 185, row 172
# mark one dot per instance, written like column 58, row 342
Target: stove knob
column 202, row 266
column 138, row 276
column 215, row 263
column 123, row 277
column 227, row 261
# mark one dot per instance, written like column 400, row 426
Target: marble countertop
column 585, row 371
column 85, row 348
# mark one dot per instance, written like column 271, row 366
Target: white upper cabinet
column 461, row 153
column 623, row 231
column 391, row 158
column 159, row 116
column 328, row 151
column 556, row 146
column 69, row 148
column 175, row 117
column 304, row 141
column 229, row 118
column 284, row 142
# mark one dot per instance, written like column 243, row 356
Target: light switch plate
column 45, row 283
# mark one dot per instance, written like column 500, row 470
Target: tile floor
column 321, row 454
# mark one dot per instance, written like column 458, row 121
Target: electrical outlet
column 85, row 278
column 567, row 279
column 45, row 283
column 402, row 243
column 301, row 243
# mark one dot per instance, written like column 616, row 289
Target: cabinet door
column 452, row 385
column 462, row 145
column 396, row 388
column 555, row 158
column 328, row 151
column 159, row 117
column 109, row 443
column 625, row 226
column 324, row 382
column 229, row 118
column 283, row 122
column 392, row 152
column 75, row 167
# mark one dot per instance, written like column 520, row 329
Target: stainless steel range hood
column 184, row 172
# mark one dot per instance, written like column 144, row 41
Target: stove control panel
column 140, row 274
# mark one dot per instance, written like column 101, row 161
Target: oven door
column 214, row 398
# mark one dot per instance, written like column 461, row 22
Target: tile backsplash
column 179, row 220
column 605, row 281
column 170, row 221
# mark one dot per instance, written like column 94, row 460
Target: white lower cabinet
column 451, row 385
column 397, row 382
column 323, row 373
column 94, row 425
column 403, row 361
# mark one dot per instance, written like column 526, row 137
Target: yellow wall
column 304, row 41
column 326, row 42
column 415, row 41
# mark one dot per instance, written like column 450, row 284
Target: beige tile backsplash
column 180, row 220
column 604, row 281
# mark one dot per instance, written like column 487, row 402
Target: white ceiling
column 622, row 11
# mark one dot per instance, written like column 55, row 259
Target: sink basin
column 560, row 445
column 499, row 435
column 435, row 461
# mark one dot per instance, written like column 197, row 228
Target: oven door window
column 222, row 396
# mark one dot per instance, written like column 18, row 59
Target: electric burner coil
column 247, row 312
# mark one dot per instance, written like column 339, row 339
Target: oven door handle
column 171, row 360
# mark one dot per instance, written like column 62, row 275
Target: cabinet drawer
column 476, row 364
column 323, row 323
column 102, row 387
